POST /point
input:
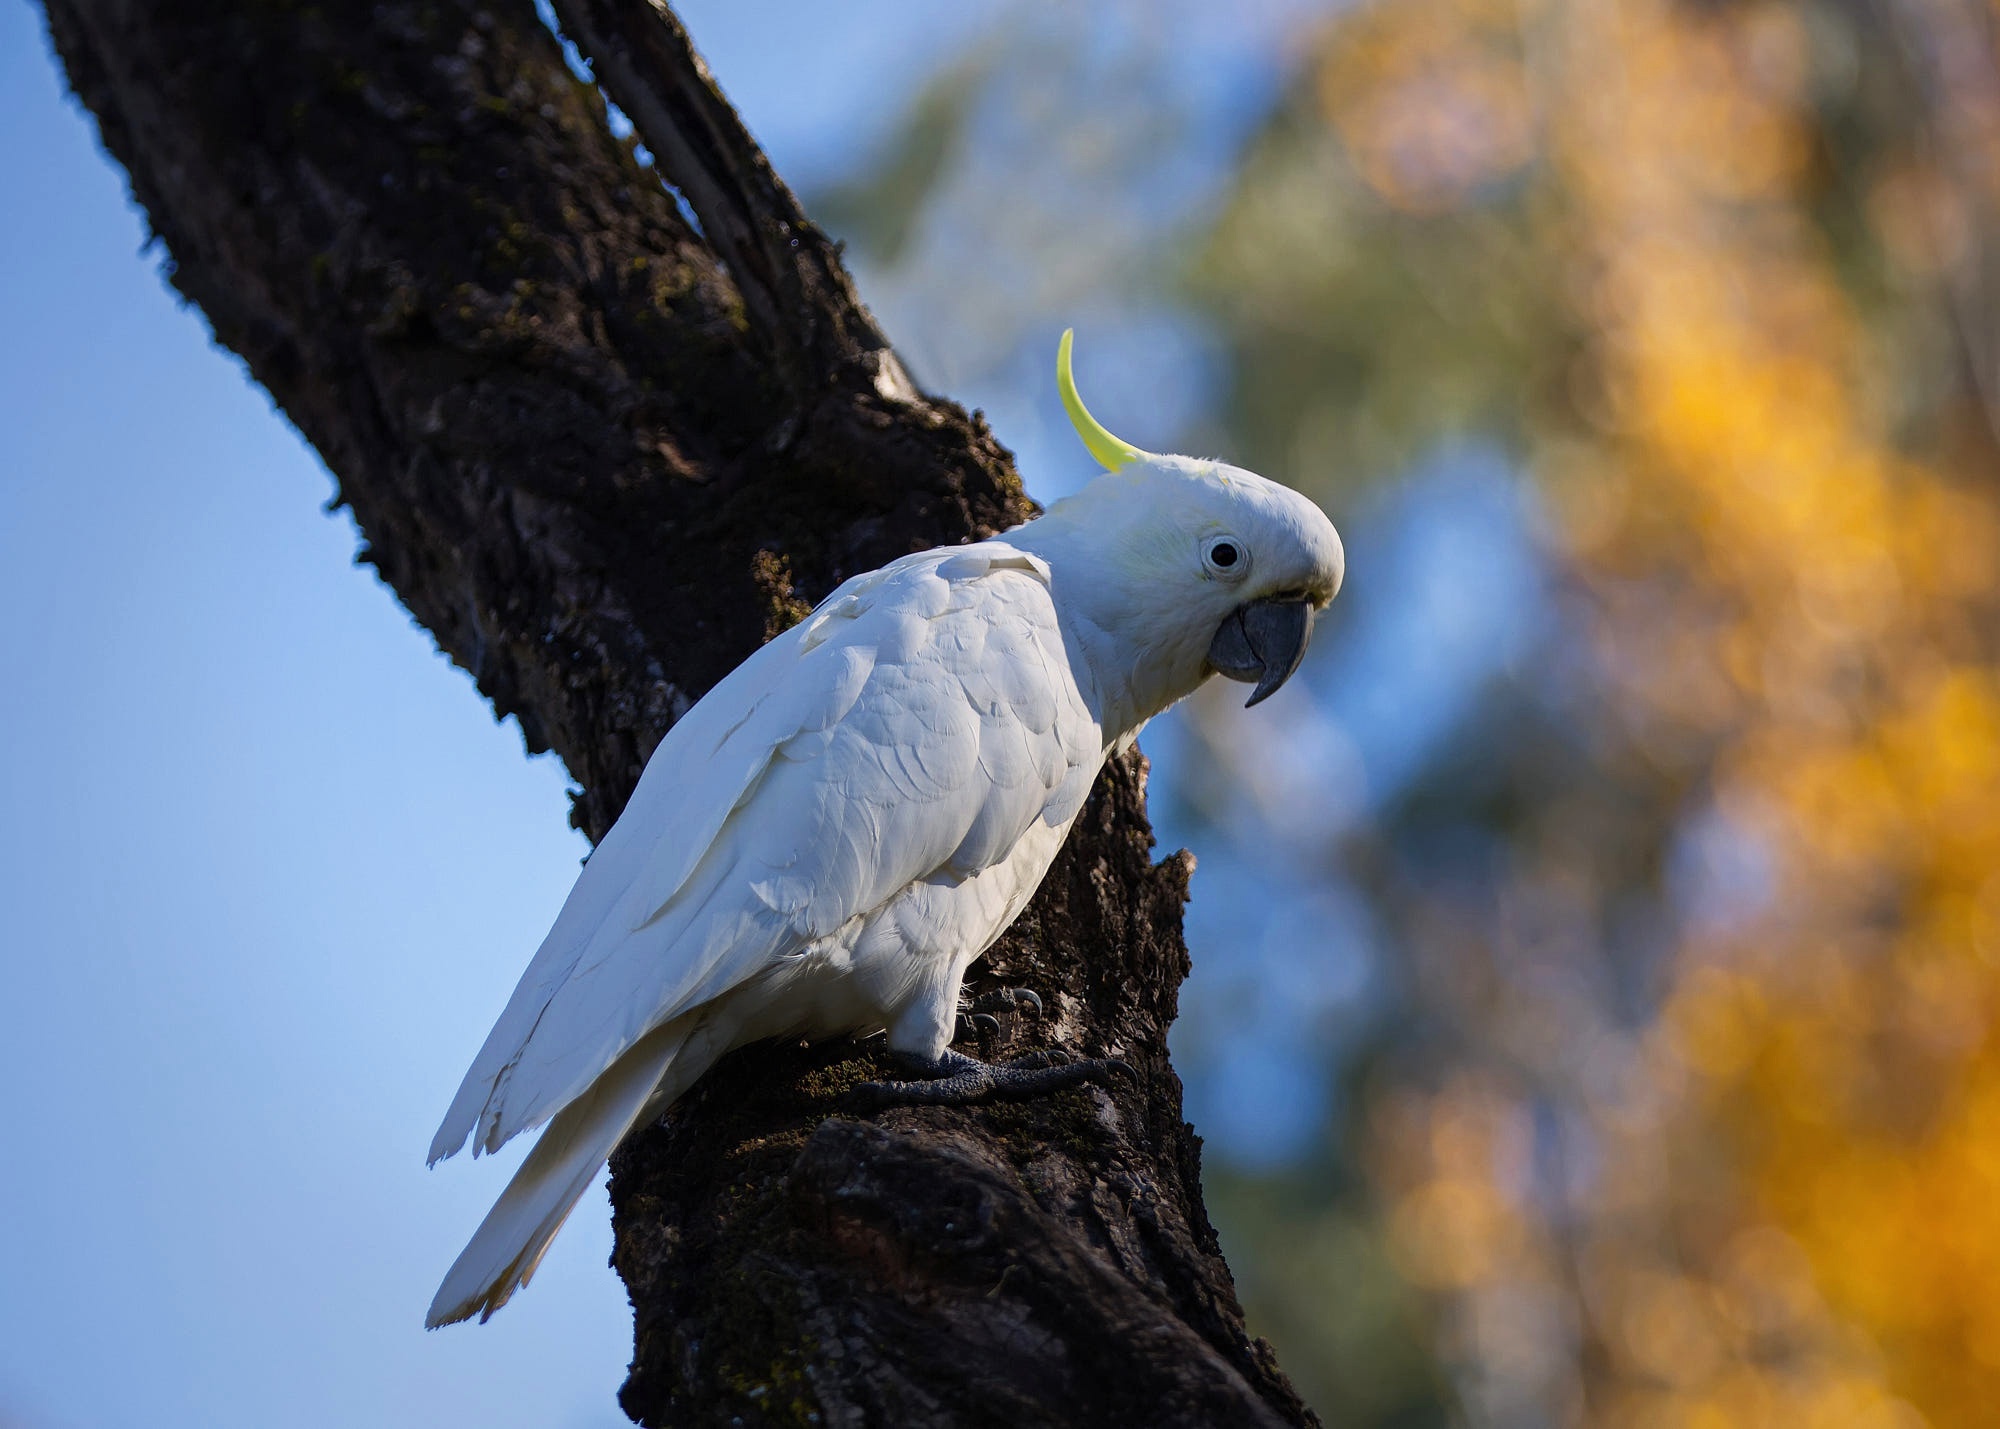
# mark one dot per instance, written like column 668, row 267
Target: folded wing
column 918, row 722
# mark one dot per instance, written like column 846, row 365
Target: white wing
column 919, row 722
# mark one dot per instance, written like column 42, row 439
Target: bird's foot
column 977, row 1022
column 955, row 1079
column 1006, row 999
column 980, row 1027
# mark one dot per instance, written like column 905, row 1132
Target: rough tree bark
column 601, row 444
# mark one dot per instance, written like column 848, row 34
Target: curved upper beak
column 1262, row 641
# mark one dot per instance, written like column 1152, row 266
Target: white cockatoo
column 833, row 834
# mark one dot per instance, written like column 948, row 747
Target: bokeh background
column 1596, row 948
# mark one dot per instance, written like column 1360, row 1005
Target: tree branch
column 601, row 455
column 797, row 293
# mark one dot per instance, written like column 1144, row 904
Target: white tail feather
column 510, row 1242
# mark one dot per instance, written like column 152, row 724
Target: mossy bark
column 600, row 451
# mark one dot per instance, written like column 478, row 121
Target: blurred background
column 1595, row 948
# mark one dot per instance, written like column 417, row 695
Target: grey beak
column 1262, row 641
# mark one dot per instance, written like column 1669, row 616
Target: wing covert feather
column 921, row 720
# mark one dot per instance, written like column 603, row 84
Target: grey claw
column 981, row 1027
column 1008, row 999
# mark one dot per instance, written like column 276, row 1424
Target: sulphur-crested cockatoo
column 831, row 836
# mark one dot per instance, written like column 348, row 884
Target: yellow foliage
column 1796, row 1218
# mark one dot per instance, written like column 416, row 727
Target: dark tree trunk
column 601, row 449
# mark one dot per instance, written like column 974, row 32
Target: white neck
column 1130, row 659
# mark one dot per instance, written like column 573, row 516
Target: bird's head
column 1193, row 567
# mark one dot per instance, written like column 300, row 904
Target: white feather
column 511, row 1241
column 910, row 727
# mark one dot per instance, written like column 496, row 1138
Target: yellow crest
column 1111, row 452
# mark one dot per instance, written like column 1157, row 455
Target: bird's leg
column 954, row 1079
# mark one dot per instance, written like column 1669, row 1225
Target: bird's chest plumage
column 952, row 916
column 901, row 964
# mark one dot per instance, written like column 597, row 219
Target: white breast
column 901, row 966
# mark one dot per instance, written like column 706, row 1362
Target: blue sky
column 269, row 866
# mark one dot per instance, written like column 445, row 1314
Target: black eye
column 1224, row 557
